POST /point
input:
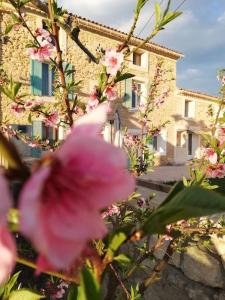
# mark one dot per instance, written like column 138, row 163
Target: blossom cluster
column 62, row 200
column 44, row 48
column 112, row 62
column 214, row 156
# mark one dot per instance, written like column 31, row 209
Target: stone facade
column 15, row 61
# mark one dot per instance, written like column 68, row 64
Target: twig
column 74, row 33
column 143, row 257
column 158, row 268
column 32, row 265
column 120, row 282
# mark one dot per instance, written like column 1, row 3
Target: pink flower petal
column 7, row 254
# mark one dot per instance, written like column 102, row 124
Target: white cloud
column 198, row 33
column 221, row 19
column 190, row 74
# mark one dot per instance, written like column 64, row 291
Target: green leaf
column 139, row 6
column 114, row 244
column 170, row 17
column 73, row 292
column 124, row 76
column 90, row 288
column 185, row 182
column 9, row 28
column 24, row 294
column 192, row 202
column 122, row 259
column 16, row 88
column 157, row 13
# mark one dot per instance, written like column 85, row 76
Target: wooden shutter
column 45, row 80
column 128, row 93
column 36, row 77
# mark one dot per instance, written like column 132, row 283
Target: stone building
column 185, row 110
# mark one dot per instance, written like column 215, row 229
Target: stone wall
column 197, row 273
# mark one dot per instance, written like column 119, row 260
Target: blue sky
column 199, row 34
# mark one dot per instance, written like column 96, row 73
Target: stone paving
column 167, row 173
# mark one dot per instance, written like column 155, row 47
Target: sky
column 199, row 33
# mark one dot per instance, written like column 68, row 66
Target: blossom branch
column 73, row 34
column 32, row 265
column 59, row 62
column 158, row 268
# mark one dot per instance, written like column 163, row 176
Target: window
column 159, row 143
column 22, row 128
column 42, row 79
column 137, row 59
column 190, row 143
column 155, row 143
column 189, row 109
column 136, row 94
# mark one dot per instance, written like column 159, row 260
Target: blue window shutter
column 36, row 77
column 45, row 79
column 128, row 93
column 53, row 77
column 68, row 77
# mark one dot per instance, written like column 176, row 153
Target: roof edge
column 113, row 33
column 119, row 35
column 198, row 94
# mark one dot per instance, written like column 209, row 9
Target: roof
column 197, row 94
column 96, row 27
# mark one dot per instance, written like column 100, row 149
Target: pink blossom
column 129, row 140
column 142, row 106
column 61, row 202
column 7, row 253
column 43, row 53
column 33, row 103
column 17, row 27
column 91, row 105
column 112, row 61
column 17, row 108
column 79, row 111
column 159, row 101
column 42, row 33
column 220, row 134
column 52, row 120
column 211, row 155
column 112, row 210
column 7, row 244
column 168, row 237
column 94, row 94
column 216, row 171
column 110, row 94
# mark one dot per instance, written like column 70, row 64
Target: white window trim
column 144, row 82
column 192, row 117
column 164, row 152
column 142, row 67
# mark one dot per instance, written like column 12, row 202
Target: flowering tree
column 71, row 206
